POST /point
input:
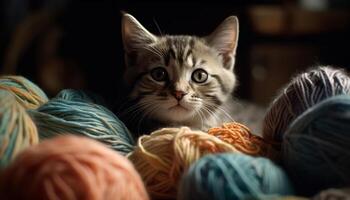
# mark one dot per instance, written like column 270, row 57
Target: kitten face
column 179, row 79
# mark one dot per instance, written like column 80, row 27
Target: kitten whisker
column 210, row 112
column 122, row 104
column 157, row 25
column 134, row 110
column 131, row 109
column 200, row 117
column 150, row 109
column 221, row 109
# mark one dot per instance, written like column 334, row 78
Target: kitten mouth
column 178, row 107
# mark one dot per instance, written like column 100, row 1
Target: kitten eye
column 159, row 74
column 199, row 76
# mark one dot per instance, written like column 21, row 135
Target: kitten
column 179, row 80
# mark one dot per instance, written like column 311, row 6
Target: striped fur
column 204, row 104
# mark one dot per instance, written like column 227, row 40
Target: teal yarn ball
column 28, row 94
column 233, row 176
column 79, row 95
column 302, row 92
column 17, row 130
column 316, row 147
column 61, row 116
column 276, row 197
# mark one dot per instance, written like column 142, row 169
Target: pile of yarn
column 62, row 167
column 17, row 130
column 239, row 136
column 307, row 126
column 233, row 176
column 316, row 150
column 71, row 167
column 75, row 113
column 304, row 91
column 164, row 155
column 29, row 95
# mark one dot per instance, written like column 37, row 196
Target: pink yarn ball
column 71, row 168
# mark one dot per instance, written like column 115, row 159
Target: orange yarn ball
column 241, row 138
column 71, row 168
column 162, row 157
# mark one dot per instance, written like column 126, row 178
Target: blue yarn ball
column 302, row 92
column 233, row 176
column 79, row 95
column 61, row 116
column 277, row 197
column 316, row 147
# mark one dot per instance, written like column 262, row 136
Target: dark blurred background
column 77, row 44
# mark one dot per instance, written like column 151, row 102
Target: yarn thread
column 79, row 95
column 240, row 137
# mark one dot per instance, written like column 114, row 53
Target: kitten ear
column 224, row 39
column 134, row 34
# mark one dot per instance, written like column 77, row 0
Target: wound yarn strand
column 240, row 137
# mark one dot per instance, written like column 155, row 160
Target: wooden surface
column 278, row 20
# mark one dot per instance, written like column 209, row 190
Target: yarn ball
column 240, row 137
column 233, row 176
column 165, row 154
column 71, row 168
column 79, row 95
column 303, row 91
column 29, row 95
column 277, row 197
column 17, row 130
column 333, row 193
column 316, row 150
column 60, row 116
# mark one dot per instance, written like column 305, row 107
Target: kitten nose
column 179, row 94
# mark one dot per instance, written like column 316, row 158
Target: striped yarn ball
column 29, row 95
column 304, row 91
column 17, row 130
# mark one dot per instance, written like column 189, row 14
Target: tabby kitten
column 179, row 80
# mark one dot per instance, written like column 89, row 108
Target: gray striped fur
column 205, row 104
